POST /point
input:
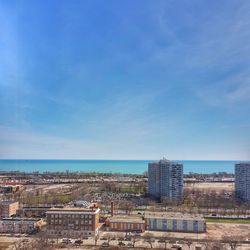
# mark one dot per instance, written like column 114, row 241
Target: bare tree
column 214, row 245
column 134, row 239
column 96, row 239
column 232, row 240
column 165, row 241
column 18, row 245
column 42, row 242
column 189, row 244
column 126, row 206
column 148, row 237
column 109, row 236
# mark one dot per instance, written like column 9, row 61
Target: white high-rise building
column 165, row 180
column 242, row 181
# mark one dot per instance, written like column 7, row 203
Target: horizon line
column 69, row 159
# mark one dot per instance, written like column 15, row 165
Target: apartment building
column 8, row 208
column 165, row 180
column 176, row 222
column 242, row 181
column 73, row 221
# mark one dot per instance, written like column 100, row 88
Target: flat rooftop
column 21, row 219
column 169, row 215
column 7, row 202
column 73, row 210
column 126, row 219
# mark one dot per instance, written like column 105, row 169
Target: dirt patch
column 216, row 186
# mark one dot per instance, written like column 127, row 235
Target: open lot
column 217, row 230
column 215, row 186
column 7, row 242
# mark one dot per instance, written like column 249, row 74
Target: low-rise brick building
column 73, row 221
column 33, row 210
column 8, row 208
column 125, row 224
column 20, row 225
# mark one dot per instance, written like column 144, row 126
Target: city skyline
column 131, row 80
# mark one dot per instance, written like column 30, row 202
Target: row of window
column 127, row 225
column 66, row 227
column 59, row 221
column 83, row 216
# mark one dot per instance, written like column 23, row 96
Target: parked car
column 121, row 244
column 161, row 241
column 103, row 238
column 130, row 244
column 176, row 246
column 105, row 244
column 66, row 241
column 78, row 242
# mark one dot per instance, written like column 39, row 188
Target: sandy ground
column 7, row 241
column 49, row 187
column 218, row 230
column 217, row 186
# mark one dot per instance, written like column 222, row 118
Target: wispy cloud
column 155, row 79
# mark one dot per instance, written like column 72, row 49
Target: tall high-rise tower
column 242, row 181
column 165, row 180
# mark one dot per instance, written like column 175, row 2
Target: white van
column 66, row 241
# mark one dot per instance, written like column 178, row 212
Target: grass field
column 43, row 199
column 240, row 221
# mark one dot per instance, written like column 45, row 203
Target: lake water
column 110, row 166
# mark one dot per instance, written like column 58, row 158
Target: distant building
column 125, row 224
column 176, row 222
column 8, row 208
column 81, row 203
column 33, row 210
column 165, row 180
column 242, row 181
column 20, row 225
column 10, row 188
column 73, row 221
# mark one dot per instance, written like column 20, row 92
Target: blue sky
column 132, row 79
